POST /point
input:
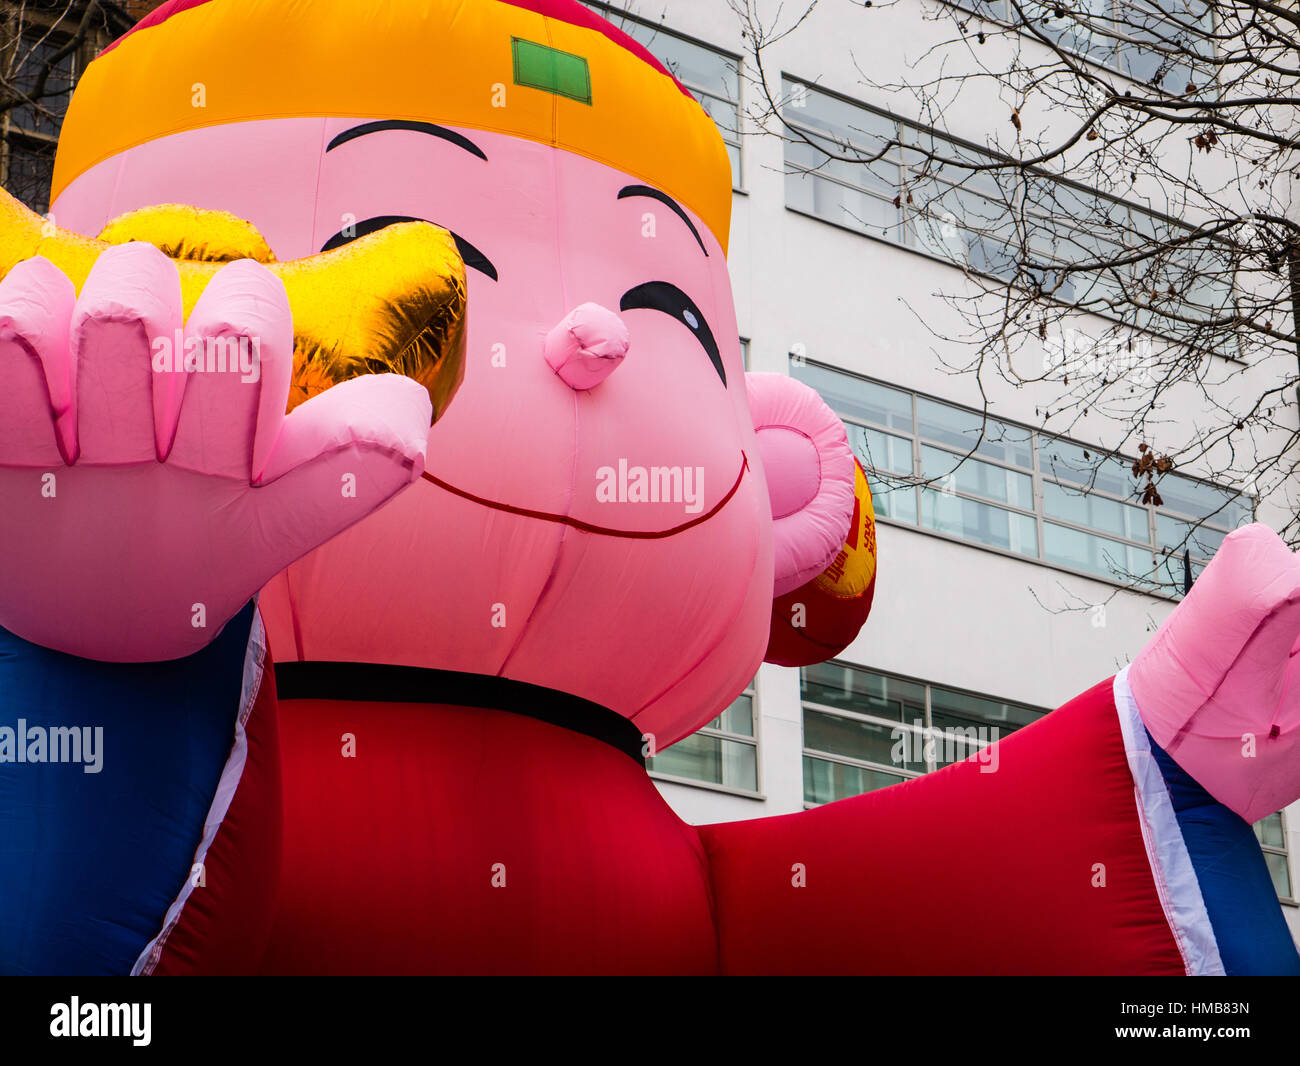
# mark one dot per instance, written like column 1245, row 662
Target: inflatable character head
column 611, row 503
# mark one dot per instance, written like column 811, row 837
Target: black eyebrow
column 668, row 201
column 666, row 297
column 471, row 256
column 459, row 140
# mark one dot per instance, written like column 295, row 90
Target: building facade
column 1005, row 584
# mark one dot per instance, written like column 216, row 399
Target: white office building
column 996, row 597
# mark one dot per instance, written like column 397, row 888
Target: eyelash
column 472, row 256
column 668, row 298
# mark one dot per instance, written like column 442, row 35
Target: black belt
column 415, row 684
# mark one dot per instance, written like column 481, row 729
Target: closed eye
column 471, row 255
column 668, row 298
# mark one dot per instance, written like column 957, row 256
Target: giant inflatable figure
column 291, row 682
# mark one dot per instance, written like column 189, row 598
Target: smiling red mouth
column 589, row 527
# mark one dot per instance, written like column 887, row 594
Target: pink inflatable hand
column 1216, row 686
column 145, row 499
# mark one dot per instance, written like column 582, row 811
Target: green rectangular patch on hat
column 538, row 66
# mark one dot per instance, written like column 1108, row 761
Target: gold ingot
column 393, row 301
column 191, row 233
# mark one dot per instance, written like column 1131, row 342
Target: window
column 29, row 170
column 713, row 77
column 1271, row 832
column 878, row 174
column 31, row 130
column 1022, row 491
column 1125, row 35
column 865, row 730
column 723, row 753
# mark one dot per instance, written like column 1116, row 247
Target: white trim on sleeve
column 232, row 772
column 1176, row 883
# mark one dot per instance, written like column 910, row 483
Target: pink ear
column 809, row 467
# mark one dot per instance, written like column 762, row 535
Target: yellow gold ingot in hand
column 390, row 302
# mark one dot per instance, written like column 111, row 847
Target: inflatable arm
column 1111, row 836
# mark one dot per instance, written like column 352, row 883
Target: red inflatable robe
column 431, row 838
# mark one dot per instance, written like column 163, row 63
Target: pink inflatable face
column 595, row 484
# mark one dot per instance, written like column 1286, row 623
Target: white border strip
column 254, row 664
column 1176, row 883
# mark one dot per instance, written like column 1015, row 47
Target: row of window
column 1023, row 491
column 865, row 730
column 859, row 727
column 878, row 174
column 1134, row 37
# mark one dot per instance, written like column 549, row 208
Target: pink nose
column 586, row 346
